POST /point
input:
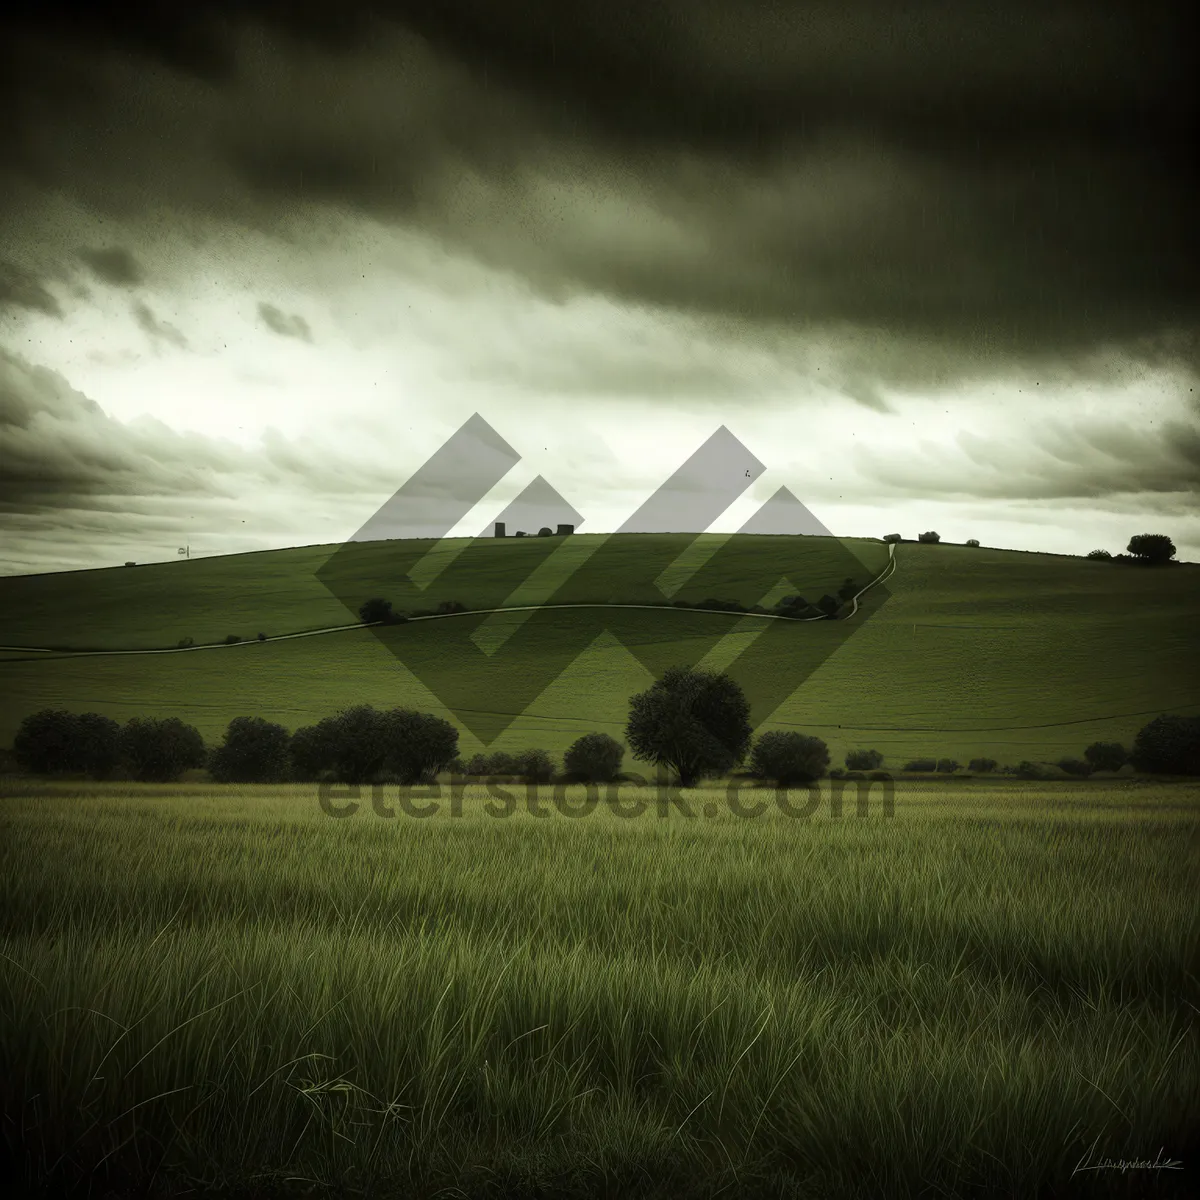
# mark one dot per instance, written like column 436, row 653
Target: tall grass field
column 224, row 991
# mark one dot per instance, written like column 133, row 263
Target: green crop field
column 223, row 991
column 969, row 652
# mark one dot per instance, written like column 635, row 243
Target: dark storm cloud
column 21, row 289
column 285, row 324
column 113, row 264
column 970, row 184
column 156, row 329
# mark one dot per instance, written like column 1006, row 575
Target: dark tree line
column 693, row 723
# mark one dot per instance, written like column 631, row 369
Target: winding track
column 887, row 572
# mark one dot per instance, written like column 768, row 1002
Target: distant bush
column 681, row 603
column 892, row 537
column 254, row 751
column 1099, row 554
column 982, row 766
column 160, row 751
column 374, row 611
column 879, row 776
column 1040, row 770
column 929, row 538
column 232, row 639
column 1152, row 547
column 864, row 760
column 417, row 745
column 947, row 766
column 262, row 637
column 451, row 606
column 1075, row 766
column 714, row 605
column 789, row 757
column 56, row 742
column 921, row 764
column 363, row 745
column 594, row 758
column 499, row 764
column 838, row 773
column 1106, row 756
column 851, row 775
column 1168, row 745
column 184, row 643
column 974, row 542
column 535, row 766
column 847, row 590
column 545, row 531
column 829, row 605
column 794, row 606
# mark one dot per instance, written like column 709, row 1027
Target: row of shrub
column 364, row 745
column 231, row 639
column 379, row 611
column 1154, row 549
column 1168, row 745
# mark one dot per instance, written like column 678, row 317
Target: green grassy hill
column 967, row 652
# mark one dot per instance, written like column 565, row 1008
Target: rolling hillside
column 966, row 652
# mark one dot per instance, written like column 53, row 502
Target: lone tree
column 697, row 722
column 1106, row 756
column 545, row 531
column 1168, row 745
column 982, row 766
column 892, row 537
column 1152, row 548
column 160, row 751
column 254, row 751
column 789, row 757
column 1099, row 555
column 973, row 542
column 929, row 538
column 594, row 758
column 375, row 610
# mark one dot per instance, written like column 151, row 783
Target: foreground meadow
column 226, row 991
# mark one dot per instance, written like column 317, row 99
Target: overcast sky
column 934, row 266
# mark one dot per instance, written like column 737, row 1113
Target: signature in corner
column 1087, row 1163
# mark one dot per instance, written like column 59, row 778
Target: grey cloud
column 21, row 289
column 62, row 451
column 113, row 264
column 157, row 330
column 285, row 324
column 1052, row 460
